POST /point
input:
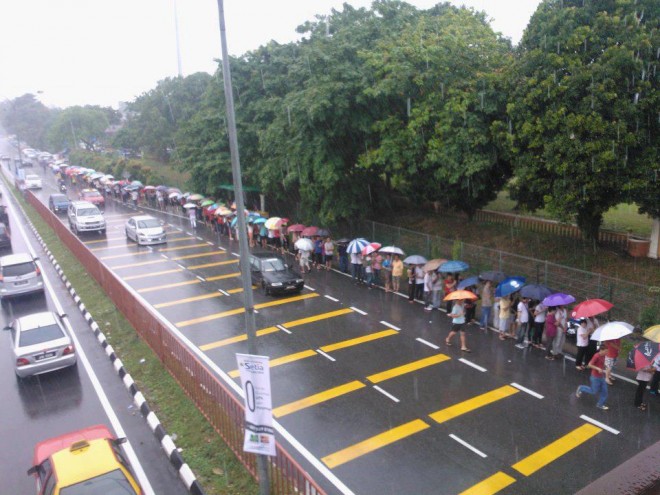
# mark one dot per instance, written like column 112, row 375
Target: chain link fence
column 631, row 301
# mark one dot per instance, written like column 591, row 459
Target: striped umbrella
column 357, row 245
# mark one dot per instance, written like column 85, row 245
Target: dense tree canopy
column 28, row 118
column 79, row 125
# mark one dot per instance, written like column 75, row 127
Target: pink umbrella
column 370, row 248
column 591, row 307
column 298, row 227
column 310, row 231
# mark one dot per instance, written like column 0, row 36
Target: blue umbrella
column 558, row 299
column 415, row 259
column 509, row 286
column 535, row 291
column 356, row 246
column 453, row 266
column 259, row 220
column 468, row 282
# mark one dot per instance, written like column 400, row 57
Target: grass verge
column 214, row 464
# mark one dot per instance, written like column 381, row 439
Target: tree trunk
column 589, row 222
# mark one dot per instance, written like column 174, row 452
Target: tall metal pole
column 178, row 45
column 250, row 324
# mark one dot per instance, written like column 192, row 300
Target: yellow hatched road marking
column 374, row 443
column 289, row 358
column 153, row 274
column 222, row 277
column 407, row 368
column 188, row 299
column 474, row 403
column 237, row 311
column 238, row 338
column 106, row 248
column 179, row 239
column 289, row 324
column 198, row 255
column 167, row 286
column 556, row 449
column 119, row 215
column 144, row 263
column 312, row 400
column 357, row 341
column 236, row 291
column 106, row 240
column 217, row 263
column 178, row 248
column 490, row 486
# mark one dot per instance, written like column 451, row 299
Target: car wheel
column 102, row 231
column 264, row 288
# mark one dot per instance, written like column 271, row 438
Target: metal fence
column 630, row 300
column 224, row 411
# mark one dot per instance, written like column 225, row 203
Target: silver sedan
column 145, row 230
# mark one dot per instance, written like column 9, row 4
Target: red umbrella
column 591, row 307
column 642, row 355
column 370, row 248
column 298, row 227
column 310, row 231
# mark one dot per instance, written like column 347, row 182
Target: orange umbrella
column 460, row 294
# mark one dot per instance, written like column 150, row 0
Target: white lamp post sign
column 255, row 377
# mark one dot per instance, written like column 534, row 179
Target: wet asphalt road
column 363, row 380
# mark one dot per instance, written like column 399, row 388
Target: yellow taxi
column 83, row 462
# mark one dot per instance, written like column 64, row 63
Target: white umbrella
column 612, row 330
column 190, row 205
column 415, row 259
column 356, row 246
column 391, row 250
column 304, row 244
column 174, row 195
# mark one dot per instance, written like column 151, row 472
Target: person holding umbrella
column 397, row 272
column 504, row 317
column 328, row 252
column 486, row 303
column 597, row 379
column 562, row 325
column 613, row 348
column 644, row 376
column 457, row 316
column 582, row 342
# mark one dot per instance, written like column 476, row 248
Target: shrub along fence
column 634, row 303
column 221, row 407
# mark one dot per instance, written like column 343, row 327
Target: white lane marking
column 236, row 254
column 465, row 444
column 190, row 234
column 475, row 366
column 209, row 243
column 309, row 288
column 103, row 399
column 599, row 424
column 223, row 292
column 363, row 313
column 391, row 326
column 201, row 278
column 425, row 342
column 331, row 298
column 179, row 229
column 386, row 394
column 164, row 256
column 200, row 238
column 284, row 329
column 181, row 266
column 327, row 356
column 524, row 389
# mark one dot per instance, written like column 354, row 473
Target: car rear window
column 40, row 335
column 112, row 483
column 85, row 212
column 18, row 269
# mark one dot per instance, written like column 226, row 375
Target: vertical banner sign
column 255, row 377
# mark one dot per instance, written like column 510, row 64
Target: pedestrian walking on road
column 192, row 216
column 582, row 342
column 613, row 348
column 449, row 286
column 458, row 325
column 644, row 376
column 598, row 384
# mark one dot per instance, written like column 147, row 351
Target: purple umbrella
column 558, row 299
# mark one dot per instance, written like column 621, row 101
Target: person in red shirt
column 613, row 348
column 598, row 384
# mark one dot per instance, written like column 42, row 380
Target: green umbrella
column 207, row 202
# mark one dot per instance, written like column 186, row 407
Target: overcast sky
column 78, row 52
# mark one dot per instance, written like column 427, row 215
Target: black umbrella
column 343, row 240
column 535, row 291
column 323, row 232
column 495, row 277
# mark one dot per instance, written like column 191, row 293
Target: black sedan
column 58, row 203
column 271, row 273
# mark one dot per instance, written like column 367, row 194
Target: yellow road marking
column 238, row 338
column 179, row 239
column 188, row 299
column 289, row 358
column 289, row 324
column 131, row 265
column 198, row 255
column 474, row 403
column 491, row 485
column 168, row 286
column 312, row 400
column 105, row 248
column 217, row 263
column 407, row 368
column 153, row 274
column 556, row 449
column 178, row 248
column 237, row 311
column 374, row 443
column 129, row 243
column 222, row 277
column 105, row 240
column 236, row 291
column 357, row 341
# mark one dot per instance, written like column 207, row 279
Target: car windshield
column 18, row 269
column 32, row 177
column 40, row 335
column 148, row 224
column 112, row 483
column 85, row 212
column 273, row 265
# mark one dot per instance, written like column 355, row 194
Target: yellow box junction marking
column 556, row 449
column 222, row 277
column 188, row 299
column 153, row 274
column 289, row 324
column 315, row 399
column 289, row 358
column 237, row 311
column 168, row 286
column 198, row 255
column 144, row 263
column 142, row 253
column 217, row 263
column 105, row 240
column 374, row 443
column 474, row 403
column 407, row 368
column 490, row 486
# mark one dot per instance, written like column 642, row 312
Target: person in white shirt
column 539, row 323
column 560, row 338
column 522, row 319
column 582, row 341
column 356, row 267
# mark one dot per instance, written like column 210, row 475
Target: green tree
column 584, row 109
column 80, row 125
column 27, row 118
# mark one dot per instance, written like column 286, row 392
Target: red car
column 92, row 196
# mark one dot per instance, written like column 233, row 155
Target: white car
column 19, row 274
column 33, row 181
column 145, row 230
